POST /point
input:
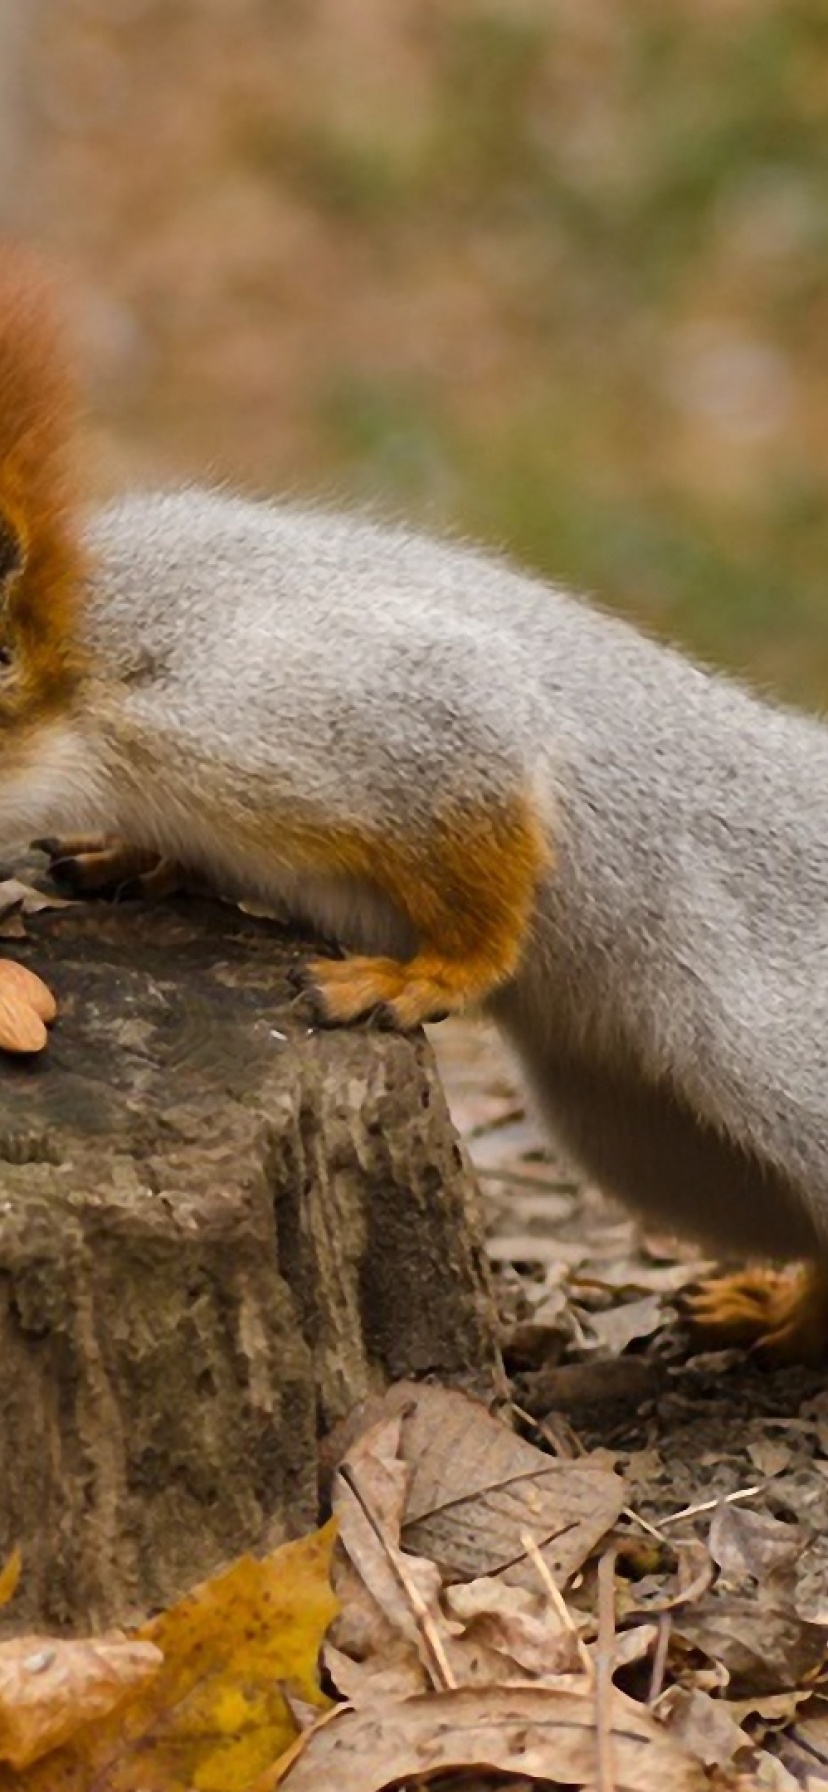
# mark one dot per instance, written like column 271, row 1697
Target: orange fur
column 468, row 899
column 783, row 1313
column 466, row 890
column 40, row 597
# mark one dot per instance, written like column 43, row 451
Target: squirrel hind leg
column 781, row 1315
column 468, row 898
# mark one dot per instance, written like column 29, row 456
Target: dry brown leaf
column 24, row 899
column 617, row 1327
column 770, row 1710
column 806, row 1743
column 475, row 1487
column 541, row 1735
column 666, row 1593
column 762, row 1649
column 706, row 1726
column 767, row 1774
column 532, row 1247
column 395, row 1672
column 509, row 1635
column 751, row 1545
column 50, row 1688
column 379, row 1620
column 810, row 1582
column 396, row 1634
column 770, row 1456
column 633, row 1645
column 656, row 1278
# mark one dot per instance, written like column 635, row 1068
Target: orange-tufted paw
column 782, row 1315
column 384, row 990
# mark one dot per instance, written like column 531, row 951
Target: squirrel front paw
column 382, row 991
column 106, row 865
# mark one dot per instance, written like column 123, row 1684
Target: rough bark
column 218, row 1230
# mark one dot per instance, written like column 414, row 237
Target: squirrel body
column 490, row 792
column 319, row 710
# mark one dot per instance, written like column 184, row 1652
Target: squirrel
column 491, row 792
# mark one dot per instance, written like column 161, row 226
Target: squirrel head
column 41, row 558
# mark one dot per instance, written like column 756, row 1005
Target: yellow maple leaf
column 215, row 1714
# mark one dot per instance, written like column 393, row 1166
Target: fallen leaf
column 379, row 1622
column 767, row 1774
column 214, row 1715
column 392, row 1672
column 475, row 1487
column 616, row 1327
column 808, row 1738
column 706, row 1726
column 398, row 1632
column 763, row 1650
column 668, row 1592
column 50, row 1688
column 531, row 1247
column 751, row 1545
column 544, row 1735
column 810, row 1582
column 772, row 1709
column 769, row 1456
column 514, row 1634
column 26, row 900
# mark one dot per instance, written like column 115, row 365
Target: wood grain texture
column 219, row 1229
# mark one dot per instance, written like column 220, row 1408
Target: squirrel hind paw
column 780, row 1315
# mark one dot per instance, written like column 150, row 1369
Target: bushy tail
column 41, row 561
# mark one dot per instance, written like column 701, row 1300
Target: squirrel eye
column 6, row 655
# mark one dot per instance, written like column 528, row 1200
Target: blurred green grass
column 708, row 131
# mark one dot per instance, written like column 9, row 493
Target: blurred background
column 552, row 272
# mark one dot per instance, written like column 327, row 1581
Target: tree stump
column 219, row 1229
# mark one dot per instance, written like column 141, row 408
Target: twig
column 441, row 1668
column 603, row 1677
column 546, row 1185
column 724, row 1499
column 557, row 1600
column 628, row 1512
column 665, row 1623
column 556, row 1444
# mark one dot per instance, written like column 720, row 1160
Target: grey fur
column 671, row 1007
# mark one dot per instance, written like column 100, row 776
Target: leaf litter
column 619, row 1584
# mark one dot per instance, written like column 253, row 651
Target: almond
column 16, row 980
column 21, row 1030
